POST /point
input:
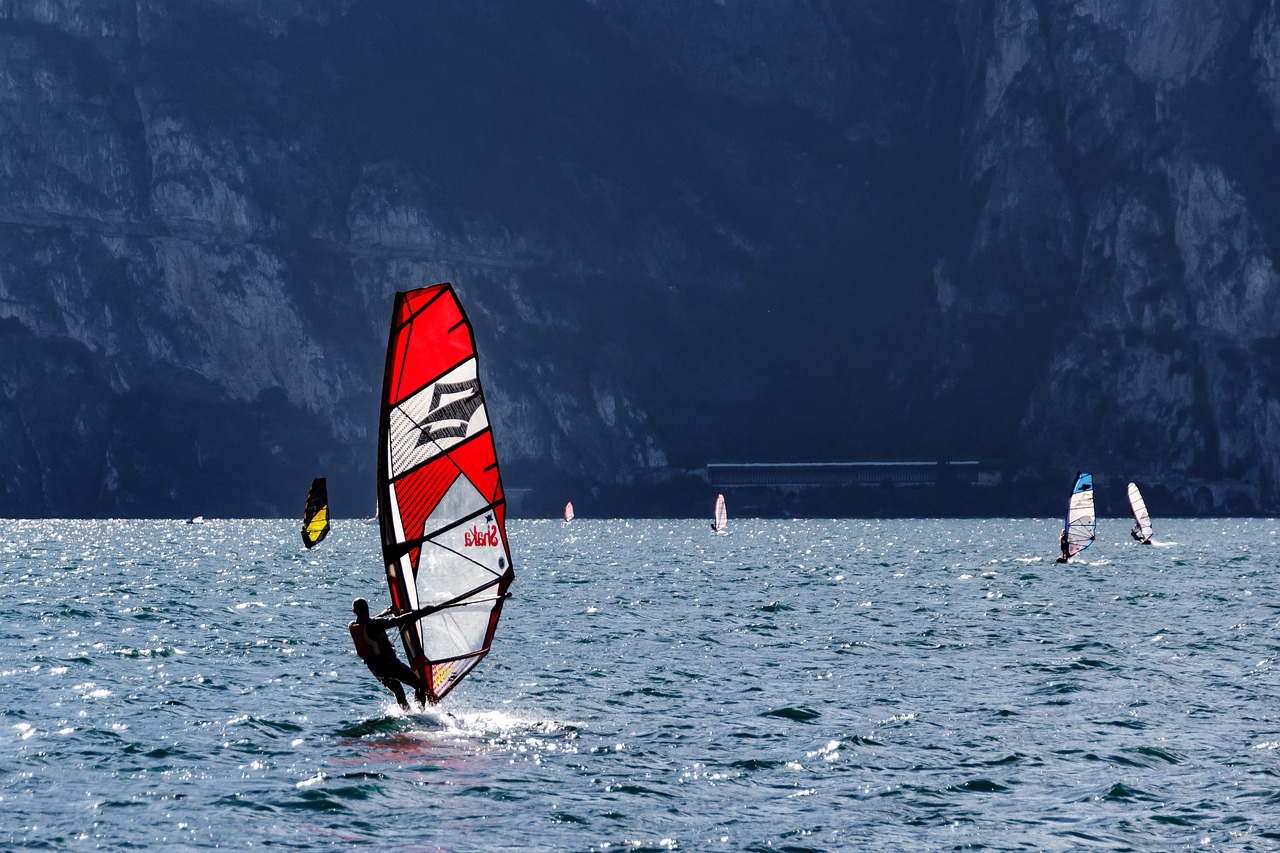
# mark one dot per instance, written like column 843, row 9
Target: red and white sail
column 568, row 512
column 441, row 507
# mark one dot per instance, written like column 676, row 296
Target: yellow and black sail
column 315, row 518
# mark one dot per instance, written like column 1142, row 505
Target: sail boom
column 465, row 600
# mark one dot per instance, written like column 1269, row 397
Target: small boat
column 1141, row 518
column 720, row 517
column 1081, row 523
column 315, row 513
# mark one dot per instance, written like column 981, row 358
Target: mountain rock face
column 1116, row 280
column 1042, row 234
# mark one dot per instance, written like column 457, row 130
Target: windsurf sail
column 721, row 517
column 315, row 515
column 1141, row 518
column 1081, row 522
column 441, row 507
column 568, row 512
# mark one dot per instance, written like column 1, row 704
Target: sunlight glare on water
column 800, row 685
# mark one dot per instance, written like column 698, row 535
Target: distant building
column 791, row 475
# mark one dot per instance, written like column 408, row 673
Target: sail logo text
column 477, row 538
column 450, row 411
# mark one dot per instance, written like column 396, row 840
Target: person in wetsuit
column 369, row 633
column 1066, row 548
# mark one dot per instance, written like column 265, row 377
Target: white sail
column 1141, row 518
column 721, row 515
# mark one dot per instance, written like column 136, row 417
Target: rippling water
column 791, row 685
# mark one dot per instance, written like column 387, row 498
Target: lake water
column 788, row 685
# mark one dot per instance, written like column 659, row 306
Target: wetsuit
column 377, row 652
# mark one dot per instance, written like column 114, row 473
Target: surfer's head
column 360, row 607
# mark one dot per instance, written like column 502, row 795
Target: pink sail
column 721, row 515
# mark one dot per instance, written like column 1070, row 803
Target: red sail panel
column 434, row 337
column 441, row 503
column 420, row 491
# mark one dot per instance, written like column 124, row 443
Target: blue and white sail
column 1082, row 522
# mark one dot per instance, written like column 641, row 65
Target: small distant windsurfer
column 1066, row 548
column 1136, row 533
column 369, row 633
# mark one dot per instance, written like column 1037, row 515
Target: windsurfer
column 370, row 636
column 1066, row 549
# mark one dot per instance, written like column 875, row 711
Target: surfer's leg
column 409, row 677
column 394, row 686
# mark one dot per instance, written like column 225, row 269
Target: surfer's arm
column 403, row 619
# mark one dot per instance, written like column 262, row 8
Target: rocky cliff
column 1114, row 280
column 1038, row 233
